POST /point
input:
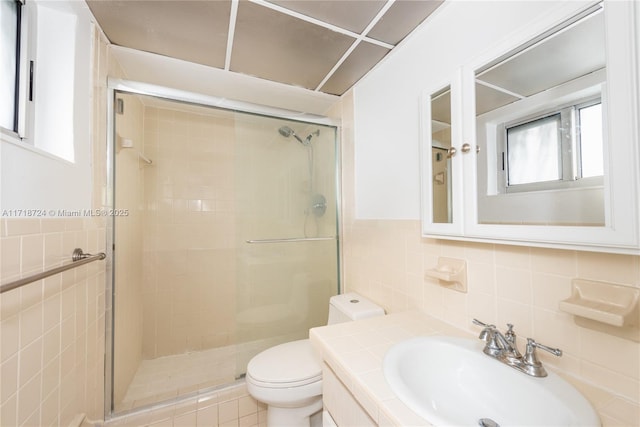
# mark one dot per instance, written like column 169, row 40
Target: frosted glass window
column 591, row 140
column 533, row 151
column 9, row 15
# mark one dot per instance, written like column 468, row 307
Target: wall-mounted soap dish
column 605, row 307
column 451, row 272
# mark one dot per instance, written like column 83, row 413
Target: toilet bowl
column 288, row 377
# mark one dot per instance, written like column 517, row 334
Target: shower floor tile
column 170, row 376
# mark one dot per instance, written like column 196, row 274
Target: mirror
column 540, row 116
column 441, row 156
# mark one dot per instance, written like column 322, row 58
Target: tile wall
column 51, row 331
column 189, row 232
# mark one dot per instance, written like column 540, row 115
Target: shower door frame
column 115, row 85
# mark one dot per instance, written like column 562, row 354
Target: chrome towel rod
column 79, row 258
column 294, row 239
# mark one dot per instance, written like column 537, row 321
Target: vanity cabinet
column 341, row 404
column 535, row 141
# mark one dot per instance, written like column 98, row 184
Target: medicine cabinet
column 535, row 141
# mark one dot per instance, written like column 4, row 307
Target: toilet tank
column 351, row 306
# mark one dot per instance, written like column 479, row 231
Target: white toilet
column 288, row 377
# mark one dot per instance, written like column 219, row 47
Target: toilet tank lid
column 356, row 306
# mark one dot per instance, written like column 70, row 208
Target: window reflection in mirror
column 540, row 114
column 440, row 158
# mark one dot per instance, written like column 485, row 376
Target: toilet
column 288, row 377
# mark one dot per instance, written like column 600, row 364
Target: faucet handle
column 534, row 345
column 488, row 331
column 530, row 357
column 484, row 325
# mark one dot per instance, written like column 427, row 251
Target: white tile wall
column 51, row 331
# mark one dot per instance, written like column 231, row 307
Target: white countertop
column 355, row 350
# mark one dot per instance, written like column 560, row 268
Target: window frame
column 24, row 105
column 569, row 151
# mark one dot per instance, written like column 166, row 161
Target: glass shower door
column 230, row 246
column 286, row 228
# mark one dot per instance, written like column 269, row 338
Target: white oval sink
column 450, row 382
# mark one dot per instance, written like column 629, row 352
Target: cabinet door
column 341, row 404
column 441, row 161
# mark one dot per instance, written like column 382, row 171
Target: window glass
column 533, row 151
column 590, row 122
column 9, row 16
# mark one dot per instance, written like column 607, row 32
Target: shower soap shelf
column 605, row 307
column 451, row 272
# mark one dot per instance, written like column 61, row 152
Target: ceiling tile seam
column 355, row 44
column 378, row 17
column 500, row 89
column 338, row 64
column 233, row 16
column 320, row 23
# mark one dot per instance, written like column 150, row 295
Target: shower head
column 286, row 131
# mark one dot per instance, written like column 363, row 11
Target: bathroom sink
column 449, row 381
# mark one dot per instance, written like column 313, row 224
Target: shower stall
column 223, row 239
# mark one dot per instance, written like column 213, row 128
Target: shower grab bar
column 79, row 258
column 293, row 239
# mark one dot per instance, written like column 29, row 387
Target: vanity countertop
column 355, row 350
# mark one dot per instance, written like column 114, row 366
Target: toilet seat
column 292, row 364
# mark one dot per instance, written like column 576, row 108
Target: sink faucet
column 505, row 349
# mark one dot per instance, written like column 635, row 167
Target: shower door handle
column 293, row 239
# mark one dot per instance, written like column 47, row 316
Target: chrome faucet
column 505, row 349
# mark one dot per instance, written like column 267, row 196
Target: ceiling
column 321, row 45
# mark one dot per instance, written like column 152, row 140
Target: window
column 40, row 56
column 550, row 150
column 10, row 24
column 539, row 140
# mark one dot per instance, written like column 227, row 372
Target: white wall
column 170, row 72
column 33, row 179
column 387, row 100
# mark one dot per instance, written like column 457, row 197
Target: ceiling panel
column 566, row 55
column 295, row 42
column 352, row 15
column 194, row 31
column 402, row 18
column 279, row 47
column 364, row 57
